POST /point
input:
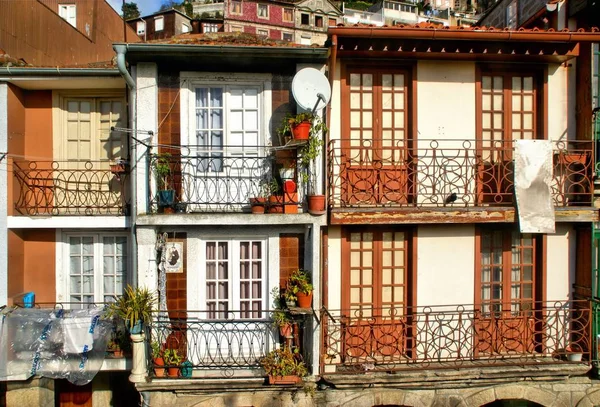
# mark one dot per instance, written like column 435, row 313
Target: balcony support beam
column 449, row 215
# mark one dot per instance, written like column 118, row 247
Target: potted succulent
column 134, row 307
column 280, row 316
column 158, row 359
column 172, row 361
column 284, row 366
column 299, row 282
column 161, row 165
column 309, row 153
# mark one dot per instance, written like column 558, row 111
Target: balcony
column 68, row 188
column 217, row 343
column 447, row 173
column 455, row 337
column 222, row 181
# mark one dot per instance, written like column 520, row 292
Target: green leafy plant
column 161, row 163
column 300, row 280
column 290, row 120
column 284, row 362
column 172, row 357
column 308, row 162
column 280, row 315
column 134, row 305
column 157, row 350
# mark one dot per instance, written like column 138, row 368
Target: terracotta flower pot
column 276, row 204
column 284, row 379
column 285, row 330
column 301, row 131
column 304, row 300
column 173, row 371
column 316, row 204
column 159, row 371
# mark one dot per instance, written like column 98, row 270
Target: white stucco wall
column 445, row 265
column 147, row 120
column 334, row 268
column 558, row 97
column 445, row 100
column 560, row 263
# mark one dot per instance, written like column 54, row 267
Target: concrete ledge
column 212, row 219
column 454, row 378
column 79, row 222
column 214, row 385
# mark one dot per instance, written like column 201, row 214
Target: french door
column 509, row 108
column 507, row 288
column 375, row 167
column 376, row 294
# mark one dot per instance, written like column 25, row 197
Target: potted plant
column 299, row 281
column 284, row 366
column 114, row 348
column 298, row 126
column 275, row 203
column 134, row 307
column 162, row 170
column 158, row 359
column 172, row 361
column 309, row 153
column 119, row 167
column 258, row 203
column 574, row 352
column 280, row 316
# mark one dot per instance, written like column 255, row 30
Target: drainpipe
column 121, row 51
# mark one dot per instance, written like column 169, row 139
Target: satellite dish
column 311, row 89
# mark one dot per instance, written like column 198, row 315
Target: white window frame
column 185, row 28
column 262, row 32
column 140, row 27
column 191, row 80
column 162, row 23
column 65, row 9
column 283, row 34
column 210, row 28
column 236, row 3
column 260, row 6
column 234, row 296
column 236, row 29
column 63, row 290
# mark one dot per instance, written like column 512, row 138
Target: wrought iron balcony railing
column 455, row 336
column 69, row 188
column 220, row 340
column 430, row 173
column 220, row 181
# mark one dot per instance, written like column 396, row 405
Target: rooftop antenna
column 311, row 89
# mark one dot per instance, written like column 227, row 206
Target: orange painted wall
column 40, row 264
column 38, row 125
column 16, row 263
column 32, row 263
column 16, row 136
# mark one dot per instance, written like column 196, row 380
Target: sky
column 145, row 6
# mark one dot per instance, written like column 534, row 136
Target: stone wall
column 580, row 391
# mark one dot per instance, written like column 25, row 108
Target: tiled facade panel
column 169, row 110
column 250, row 14
column 177, row 282
column 291, row 247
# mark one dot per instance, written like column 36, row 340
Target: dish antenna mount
column 311, row 89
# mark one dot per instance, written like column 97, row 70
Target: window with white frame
column 287, row 36
column 210, row 27
column 159, row 23
column 263, row 11
column 236, row 7
column 141, row 27
column 185, row 28
column 262, row 33
column 96, row 267
column 288, row 15
column 236, row 276
column 69, row 13
column 227, row 117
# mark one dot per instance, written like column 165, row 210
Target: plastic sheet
column 54, row 343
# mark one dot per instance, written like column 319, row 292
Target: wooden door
column 375, row 165
column 508, row 105
column 506, row 285
column 375, row 294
